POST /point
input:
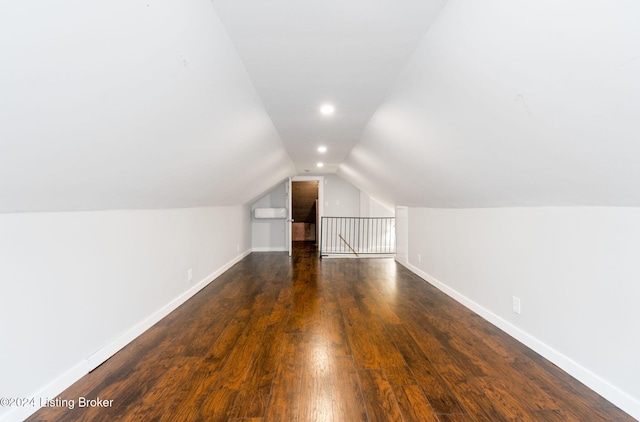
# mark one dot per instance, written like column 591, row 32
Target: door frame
column 402, row 234
column 320, row 210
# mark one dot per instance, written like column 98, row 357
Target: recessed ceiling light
column 327, row 109
column 320, row 164
column 322, row 149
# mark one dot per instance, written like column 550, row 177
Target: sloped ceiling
column 128, row 104
column 511, row 103
column 155, row 104
column 300, row 54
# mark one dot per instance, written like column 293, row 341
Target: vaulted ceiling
column 155, row 104
column 302, row 54
column 512, row 103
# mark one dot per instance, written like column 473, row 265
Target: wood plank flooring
column 302, row 339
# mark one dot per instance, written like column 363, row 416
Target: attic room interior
column 138, row 138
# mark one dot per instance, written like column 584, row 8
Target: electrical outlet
column 189, row 274
column 419, row 257
column 238, row 247
column 516, row 305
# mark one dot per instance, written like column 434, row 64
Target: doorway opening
column 305, row 211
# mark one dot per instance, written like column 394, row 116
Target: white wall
column 575, row 270
column 268, row 234
column 76, row 286
column 341, row 198
column 524, row 104
column 370, row 207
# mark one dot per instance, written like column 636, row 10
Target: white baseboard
column 361, row 256
column 111, row 349
column 591, row 380
column 270, row 249
column 82, row 368
column 51, row 391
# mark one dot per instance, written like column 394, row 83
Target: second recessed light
column 322, row 149
column 327, row 109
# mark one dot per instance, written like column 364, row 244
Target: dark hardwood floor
column 302, row 339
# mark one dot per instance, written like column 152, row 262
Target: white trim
column 288, row 224
column 84, row 367
column 618, row 397
column 115, row 346
column 320, row 210
column 402, row 238
column 111, row 349
column 52, row 390
column 270, row 249
column 361, row 256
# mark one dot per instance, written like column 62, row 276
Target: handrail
column 358, row 236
